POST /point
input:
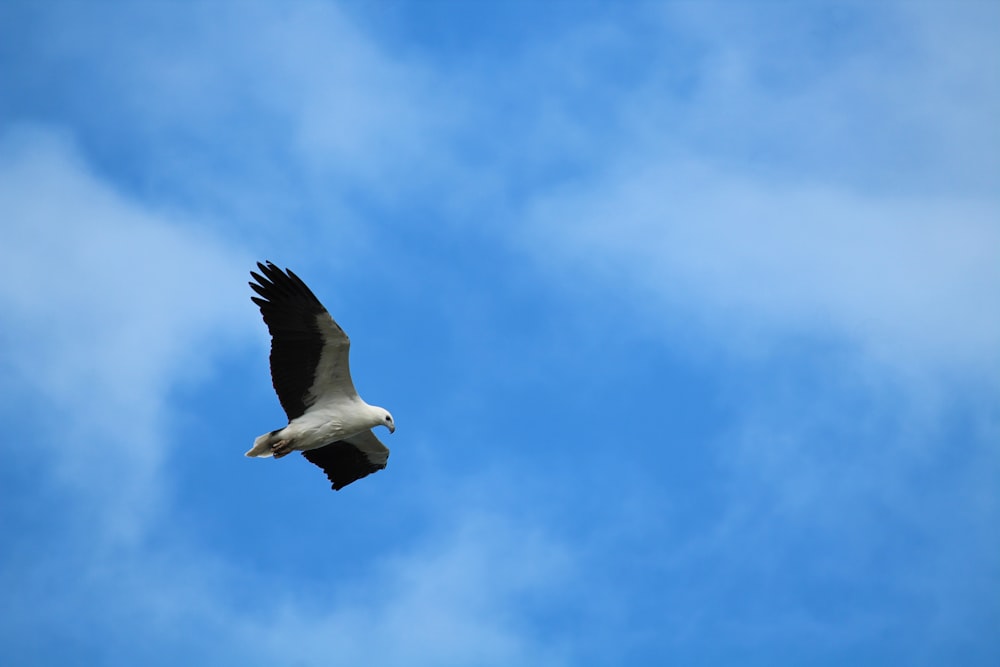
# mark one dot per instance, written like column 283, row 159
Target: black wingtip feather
column 284, row 283
column 290, row 311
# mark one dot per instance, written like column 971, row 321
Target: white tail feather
column 262, row 446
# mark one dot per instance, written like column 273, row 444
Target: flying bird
column 327, row 420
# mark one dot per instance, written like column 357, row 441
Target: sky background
column 688, row 315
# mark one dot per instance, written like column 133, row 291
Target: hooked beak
column 392, row 428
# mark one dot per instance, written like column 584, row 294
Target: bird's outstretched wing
column 309, row 350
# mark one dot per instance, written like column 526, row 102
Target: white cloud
column 848, row 194
column 108, row 305
column 909, row 279
column 469, row 591
column 113, row 298
column 897, row 96
column 457, row 599
column 290, row 106
column 841, row 203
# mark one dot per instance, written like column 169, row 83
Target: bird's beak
column 392, row 428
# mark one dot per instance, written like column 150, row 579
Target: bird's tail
column 262, row 445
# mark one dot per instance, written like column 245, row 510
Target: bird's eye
column 388, row 418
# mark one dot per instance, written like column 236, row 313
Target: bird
column 327, row 420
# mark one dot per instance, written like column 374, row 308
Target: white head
column 381, row 417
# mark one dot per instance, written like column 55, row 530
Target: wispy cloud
column 450, row 602
column 268, row 114
column 117, row 304
column 645, row 271
column 832, row 221
column 775, row 196
column 906, row 278
column 113, row 304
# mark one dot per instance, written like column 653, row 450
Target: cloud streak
column 149, row 297
column 644, row 272
column 907, row 279
column 113, row 305
column 774, row 196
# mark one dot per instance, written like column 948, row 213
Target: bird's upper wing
column 309, row 350
column 350, row 459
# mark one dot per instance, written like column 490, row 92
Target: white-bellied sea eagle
column 327, row 420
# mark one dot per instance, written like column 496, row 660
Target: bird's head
column 385, row 419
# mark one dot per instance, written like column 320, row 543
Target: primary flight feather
column 327, row 420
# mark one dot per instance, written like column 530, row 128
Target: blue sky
column 687, row 314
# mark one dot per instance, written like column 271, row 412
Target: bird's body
column 316, row 428
column 327, row 420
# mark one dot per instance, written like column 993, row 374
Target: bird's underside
column 343, row 460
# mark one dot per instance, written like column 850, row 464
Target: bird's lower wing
column 350, row 459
